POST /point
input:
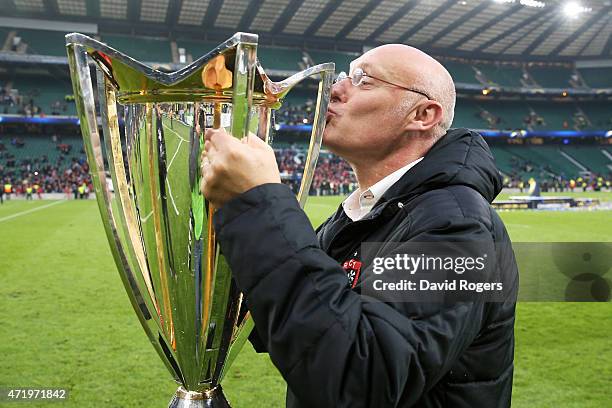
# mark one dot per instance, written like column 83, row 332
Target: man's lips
column 330, row 114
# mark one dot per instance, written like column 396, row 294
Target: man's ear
column 427, row 114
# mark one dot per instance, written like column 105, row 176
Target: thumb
column 219, row 138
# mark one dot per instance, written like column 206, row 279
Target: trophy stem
column 212, row 398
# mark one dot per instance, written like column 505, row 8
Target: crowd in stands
column 68, row 174
column 295, row 114
column 533, row 119
column 333, row 176
column 27, row 104
column 291, row 113
column 578, row 121
column 560, row 184
column 523, row 170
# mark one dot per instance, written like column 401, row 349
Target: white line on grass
column 174, row 131
column 10, row 217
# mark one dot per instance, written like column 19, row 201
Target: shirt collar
column 358, row 204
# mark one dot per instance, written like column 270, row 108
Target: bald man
column 419, row 182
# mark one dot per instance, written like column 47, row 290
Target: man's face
column 366, row 119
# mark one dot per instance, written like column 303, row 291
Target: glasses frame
column 343, row 75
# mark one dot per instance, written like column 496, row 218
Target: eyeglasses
column 357, row 80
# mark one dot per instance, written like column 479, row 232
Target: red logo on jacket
column 352, row 267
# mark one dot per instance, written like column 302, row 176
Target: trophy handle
column 278, row 90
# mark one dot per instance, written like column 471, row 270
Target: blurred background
column 534, row 77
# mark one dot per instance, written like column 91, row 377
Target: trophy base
column 212, row 398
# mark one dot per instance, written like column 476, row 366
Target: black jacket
column 336, row 348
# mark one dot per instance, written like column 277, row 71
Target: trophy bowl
column 158, row 224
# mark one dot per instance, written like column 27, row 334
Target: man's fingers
column 254, row 140
column 219, row 138
column 209, row 149
column 208, row 177
column 205, row 164
column 209, row 133
column 207, row 156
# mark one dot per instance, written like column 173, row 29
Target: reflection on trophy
column 158, row 224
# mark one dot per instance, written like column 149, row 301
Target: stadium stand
column 32, row 146
column 195, row 49
column 501, row 75
column 140, row 48
column 461, row 72
column 590, row 157
column 599, row 114
column 279, row 58
column 57, row 163
column 551, row 159
column 559, row 160
column 341, row 59
column 510, row 114
column 557, row 115
column 40, row 93
column 551, row 77
column 3, row 39
column 43, row 42
column 506, row 162
column 47, row 92
column 467, row 115
column 597, row 77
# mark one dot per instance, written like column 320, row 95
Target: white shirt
column 359, row 204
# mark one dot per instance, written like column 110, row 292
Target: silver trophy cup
column 158, row 224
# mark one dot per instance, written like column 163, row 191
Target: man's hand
column 231, row 166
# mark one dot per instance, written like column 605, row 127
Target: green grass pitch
column 65, row 320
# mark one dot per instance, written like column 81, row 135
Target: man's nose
column 338, row 91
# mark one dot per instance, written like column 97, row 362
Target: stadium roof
column 505, row 29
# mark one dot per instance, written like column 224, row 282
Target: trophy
column 157, row 222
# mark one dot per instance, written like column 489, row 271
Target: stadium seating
column 591, row 157
column 270, row 57
column 466, row 115
column 196, row 48
column 599, row 114
column 551, row 77
column 279, row 58
column 341, row 59
column 44, row 42
column 511, row 113
column 551, row 156
column 501, row 75
column 543, row 159
column 461, row 72
column 3, row 34
column 37, row 146
column 503, row 159
column 140, row 48
column 557, row 115
column 597, row 77
column 45, row 91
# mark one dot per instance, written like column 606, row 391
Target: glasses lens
column 341, row 77
column 357, row 76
